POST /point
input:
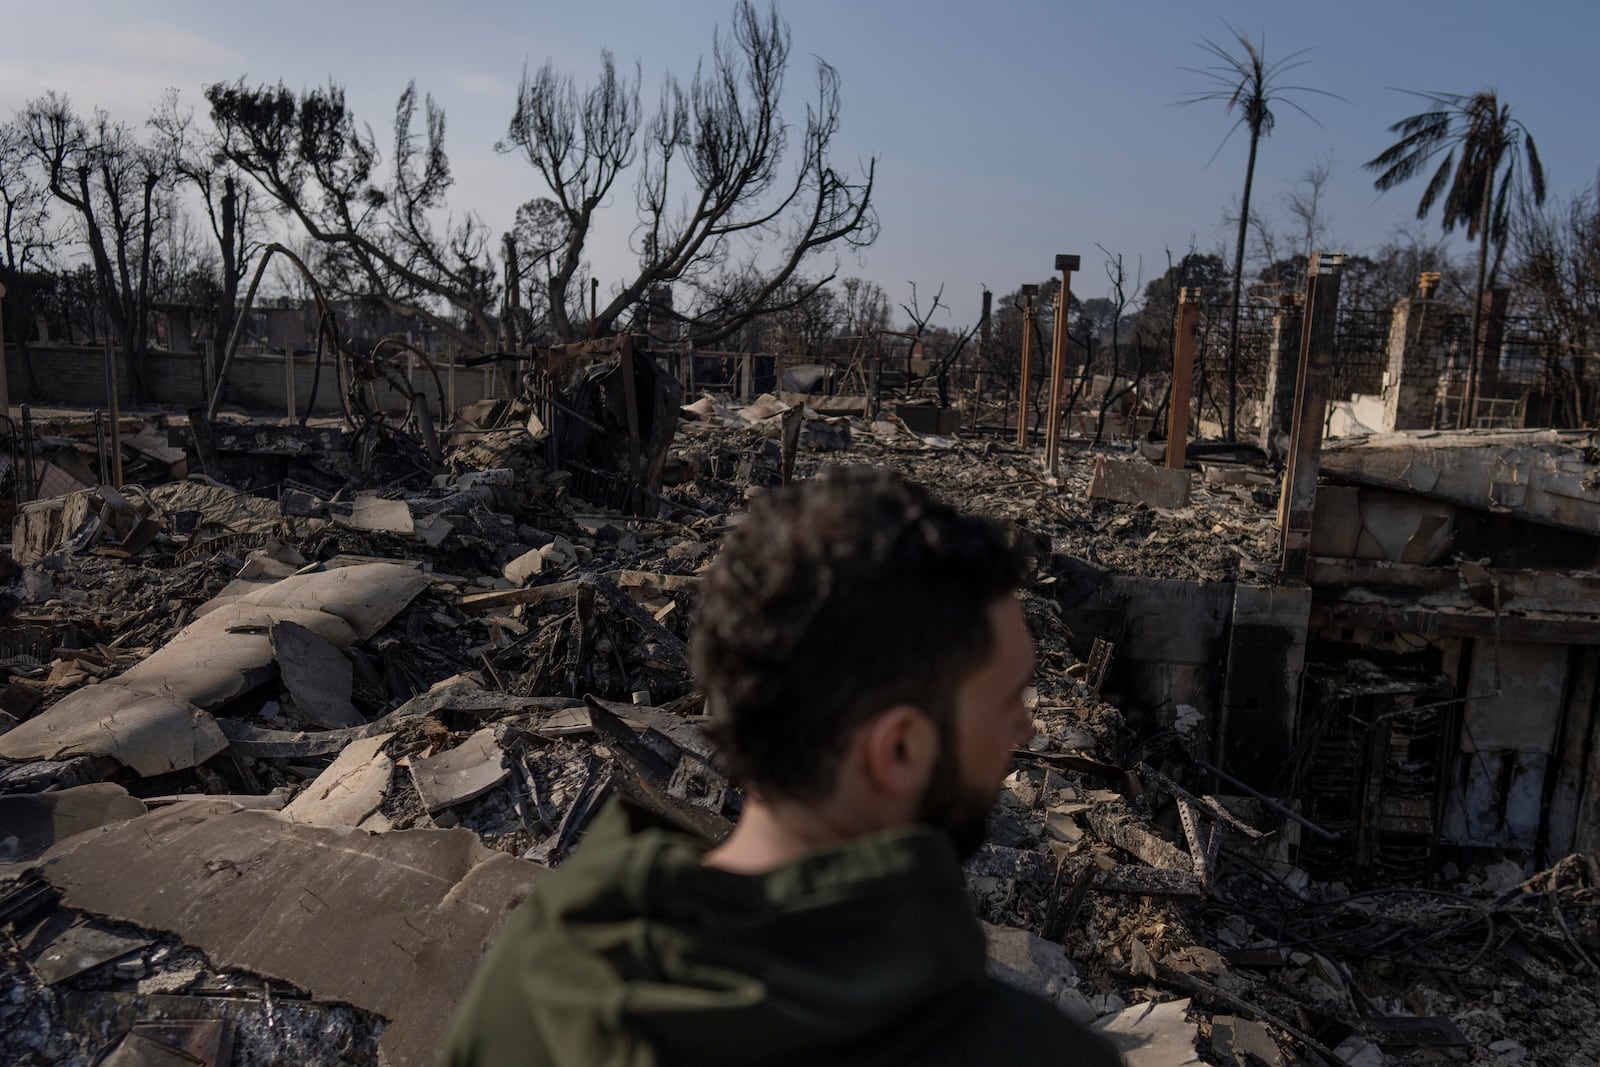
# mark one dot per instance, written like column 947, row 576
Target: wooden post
column 288, row 379
column 5, row 384
column 447, row 417
column 1025, row 385
column 30, row 473
column 793, row 422
column 983, row 358
column 877, row 367
column 115, row 404
column 1183, row 346
column 1058, row 363
column 430, row 438
column 1298, row 501
column 630, row 397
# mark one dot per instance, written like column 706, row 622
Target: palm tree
column 1486, row 153
column 1247, row 83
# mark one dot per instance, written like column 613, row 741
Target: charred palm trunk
column 1238, row 284
column 1475, row 352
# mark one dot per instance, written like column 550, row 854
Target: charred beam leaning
column 1299, row 495
column 1066, row 264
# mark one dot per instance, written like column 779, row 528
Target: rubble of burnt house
column 295, row 712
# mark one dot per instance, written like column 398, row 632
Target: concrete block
column 1133, row 482
column 525, row 566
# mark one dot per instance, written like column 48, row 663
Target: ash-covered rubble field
column 284, row 743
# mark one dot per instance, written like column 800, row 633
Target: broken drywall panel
column 331, row 910
column 464, row 773
column 366, row 596
column 149, row 733
column 1153, row 1035
column 151, row 718
column 1026, row 961
column 316, row 673
column 374, row 514
column 349, row 790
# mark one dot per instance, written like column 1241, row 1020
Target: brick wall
column 75, row 376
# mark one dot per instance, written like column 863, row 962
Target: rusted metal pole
column 1058, row 363
column 1183, row 346
column 1026, row 384
column 1298, row 501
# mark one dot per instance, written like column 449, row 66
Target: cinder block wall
column 75, row 376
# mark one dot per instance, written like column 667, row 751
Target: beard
column 952, row 805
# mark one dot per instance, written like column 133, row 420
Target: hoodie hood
column 635, row 953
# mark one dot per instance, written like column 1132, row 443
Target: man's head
column 856, row 634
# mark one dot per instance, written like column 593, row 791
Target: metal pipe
column 1281, row 809
column 100, row 444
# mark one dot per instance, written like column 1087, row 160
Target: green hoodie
column 635, row 954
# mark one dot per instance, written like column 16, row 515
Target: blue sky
column 1004, row 132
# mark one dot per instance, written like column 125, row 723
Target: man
column 864, row 655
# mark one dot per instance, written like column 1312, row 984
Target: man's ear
column 898, row 749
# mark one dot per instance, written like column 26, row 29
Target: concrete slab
column 1133, row 482
column 1542, row 476
column 393, row 923
column 32, row 822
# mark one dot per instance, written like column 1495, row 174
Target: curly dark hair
column 838, row 598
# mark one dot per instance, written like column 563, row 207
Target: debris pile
column 283, row 740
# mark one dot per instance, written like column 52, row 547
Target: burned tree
column 1558, row 273
column 1117, row 311
column 710, row 194
column 99, row 170
column 377, row 235
column 27, row 236
column 197, row 160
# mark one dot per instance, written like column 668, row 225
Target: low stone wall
column 75, row 376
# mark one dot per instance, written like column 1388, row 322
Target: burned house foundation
column 363, row 684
